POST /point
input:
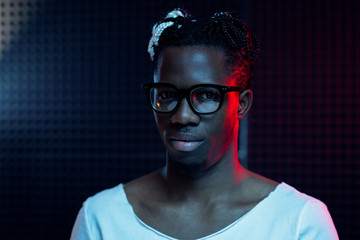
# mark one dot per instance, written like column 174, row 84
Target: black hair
column 223, row 30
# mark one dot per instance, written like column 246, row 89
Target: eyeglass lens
column 163, row 99
column 203, row 99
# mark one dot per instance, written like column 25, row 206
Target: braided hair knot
column 174, row 18
column 223, row 30
column 236, row 33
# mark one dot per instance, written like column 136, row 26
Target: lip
column 186, row 146
column 185, row 142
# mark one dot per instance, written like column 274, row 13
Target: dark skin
column 199, row 191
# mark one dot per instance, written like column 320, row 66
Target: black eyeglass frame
column 223, row 89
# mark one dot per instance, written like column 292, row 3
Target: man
column 202, row 76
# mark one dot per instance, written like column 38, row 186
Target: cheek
column 232, row 106
column 230, row 110
column 163, row 125
column 226, row 121
column 160, row 123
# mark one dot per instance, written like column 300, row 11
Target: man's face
column 196, row 141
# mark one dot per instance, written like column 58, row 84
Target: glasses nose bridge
column 185, row 93
column 184, row 113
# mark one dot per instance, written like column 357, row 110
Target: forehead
column 190, row 65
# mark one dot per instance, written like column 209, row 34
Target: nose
column 184, row 115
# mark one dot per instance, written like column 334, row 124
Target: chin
column 187, row 163
column 189, row 169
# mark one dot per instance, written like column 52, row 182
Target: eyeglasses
column 202, row 98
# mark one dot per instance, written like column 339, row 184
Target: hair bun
column 158, row 29
column 175, row 13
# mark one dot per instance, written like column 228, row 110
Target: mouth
column 185, row 145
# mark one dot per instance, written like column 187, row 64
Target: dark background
column 74, row 121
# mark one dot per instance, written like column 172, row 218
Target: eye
column 206, row 95
column 165, row 95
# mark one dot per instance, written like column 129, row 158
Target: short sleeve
column 316, row 222
column 81, row 230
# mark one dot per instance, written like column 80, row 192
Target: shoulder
column 288, row 192
column 107, row 203
column 145, row 187
column 278, row 192
column 292, row 200
column 112, row 195
column 256, row 187
column 96, row 217
column 311, row 215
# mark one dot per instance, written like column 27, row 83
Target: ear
column 245, row 101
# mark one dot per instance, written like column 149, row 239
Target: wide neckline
column 257, row 206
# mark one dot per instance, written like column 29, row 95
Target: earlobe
column 245, row 101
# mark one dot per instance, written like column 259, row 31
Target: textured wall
column 74, row 121
column 305, row 124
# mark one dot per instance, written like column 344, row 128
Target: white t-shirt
column 284, row 214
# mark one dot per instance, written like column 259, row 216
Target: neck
column 210, row 183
